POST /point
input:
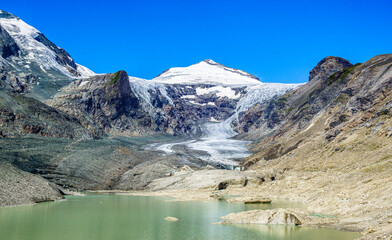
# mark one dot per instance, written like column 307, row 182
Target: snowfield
column 207, row 72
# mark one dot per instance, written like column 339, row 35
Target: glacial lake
column 117, row 217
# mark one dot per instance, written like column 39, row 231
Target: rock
column 208, row 167
column 171, row 219
column 217, row 195
column 141, row 175
column 8, row 46
column 258, row 201
column 237, row 181
column 105, row 102
column 186, row 168
column 262, row 119
column 202, row 179
column 273, row 217
column 327, row 67
column 249, row 200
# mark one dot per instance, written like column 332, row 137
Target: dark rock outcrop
column 105, row 103
column 328, row 66
column 62, row 56
column 8, row 47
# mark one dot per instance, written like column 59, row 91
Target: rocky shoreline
column 323, row 206
column 320, row 203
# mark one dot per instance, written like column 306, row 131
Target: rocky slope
column 262, row 119
column 331, row 104
column 333, row 143
column 18, row 187
column 22, row 116
column 328, row 146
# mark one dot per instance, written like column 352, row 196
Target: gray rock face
column 105, row 103
column 189, row 110
column 110, row 103
column 16, row 82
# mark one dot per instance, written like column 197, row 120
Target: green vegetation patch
column 114, row 78
column 348, row 70
column 342, row 74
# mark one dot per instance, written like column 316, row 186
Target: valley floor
column 346, row 185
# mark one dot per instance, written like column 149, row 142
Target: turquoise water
column 115, row 217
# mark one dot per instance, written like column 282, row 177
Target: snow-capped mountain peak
column 207, row 72
column 35, row 51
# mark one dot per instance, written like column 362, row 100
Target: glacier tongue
column 217, row 137
column 216, row 141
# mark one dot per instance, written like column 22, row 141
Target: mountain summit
column 25, row 49
column 207, row 72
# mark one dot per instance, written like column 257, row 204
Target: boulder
column 186, row 168
column 171, row 219
column 273, row 217
column 249, row 200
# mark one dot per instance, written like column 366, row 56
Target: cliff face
column 8, row 46
column 105, row 103
column 328, row 66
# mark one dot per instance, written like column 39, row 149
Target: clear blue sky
column 278, row 41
